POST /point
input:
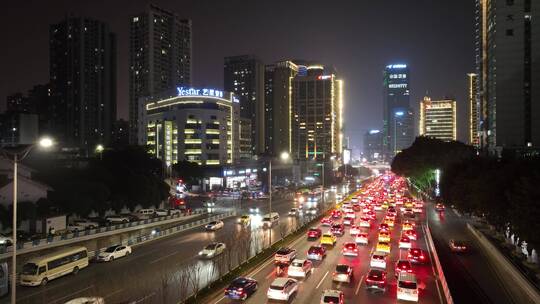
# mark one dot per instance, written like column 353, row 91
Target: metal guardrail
column 89, row 234
column 441, row 278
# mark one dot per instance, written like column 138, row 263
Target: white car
column 282, row 289
column 211, row 250
column 300, row 268
column 405, row 242
column 378, row 260
column 87, row 300
column 350, row 214
column 332, row 296
column 85, row 224
column 117, row 219
column 5, row 240
column 215, row 225
column 365, row 223
column 254, row 210
column 361, row 238
column 161, row 212
column 294, row 212
column 114, row 252
column 354, row 230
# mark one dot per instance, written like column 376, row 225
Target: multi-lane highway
column 312, row 287
column 161, row 271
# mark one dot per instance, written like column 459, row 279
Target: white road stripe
column 163, row 257
column 359, row 284
column 318, row 285
column 221, row 299
column 72, row 294
column 112, row 293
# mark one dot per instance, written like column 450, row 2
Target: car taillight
column 422, row 257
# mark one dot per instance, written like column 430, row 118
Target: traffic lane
column 470, row 276
column 150, row 257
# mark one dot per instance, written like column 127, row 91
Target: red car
column 439, row 207
column 314, row 233
column 371, row 214
column 316, row 253
column 376, row 279
column 336, row 214
column 327, row 221
column 350, row 249
column 403, row 266
column 337, row 229
column 417, row 255
column 356, row 207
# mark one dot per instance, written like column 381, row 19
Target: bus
column 40, row 270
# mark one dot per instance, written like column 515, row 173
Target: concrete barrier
column 440, row 273
column 507, row 267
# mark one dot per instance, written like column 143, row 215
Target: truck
column 50, row 224
column 284, row 255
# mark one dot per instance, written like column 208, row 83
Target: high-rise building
column 438, row 119
column 244, row 76
column 120, row 134
column 507, row 48
column 18, row 103
column 316, row 114
column 245, row 138
column 82, row 82
column 278, row 105
column 197, row 125
column 159, row 58
column 373, row 145
column 397, row 112
column 18, row 128
column 474, row 126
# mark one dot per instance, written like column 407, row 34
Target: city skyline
column 359, row 62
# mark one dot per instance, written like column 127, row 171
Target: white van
column 144, row 214
column 270, row 220
column 407, row 287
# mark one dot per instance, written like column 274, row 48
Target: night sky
column 434, row 37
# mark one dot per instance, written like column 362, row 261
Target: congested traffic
column 370, row 246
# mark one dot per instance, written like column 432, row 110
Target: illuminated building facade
column 160, row 46
column 373, row 145
column 246, row 151
column 398, row 130
column 317, row 111
column 507, row 67
column 474, row 127
column 244, row 76
column 197, row 125
column 438, row 119
column 278, row 105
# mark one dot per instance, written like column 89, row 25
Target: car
column 336, row 214
column 416, row 255
column 354, row 230
column 314, row 233
column 161, row 212
column 407, row 287
column 241, row 288
column 405, row 242
column 458, row 246
column 114, row 252
column 378, row 260
column 244, row 220
column 384, row 236
column 350, row 249
column 337, row 229
column 411, row 234
column 212, row 250
column 312, row 211
column 294, row 212
column 402, row 266
column 327, row 221
column 378, row 207
column 384, row 227
column 356, row 207
column 214, row 225
column 254, row 210
column 361, row 238
column 86, row 300
column 284, row 255
column 331, row 296
column 439, row 207
column 371, row 214
column 300, row 268
column 383, row 246
column 365, row 222
column 407, row 226
column 282, row 289
column 350, row 214
column 376, row 280
column 316, row 253
column 343, row 273
column 270, row 220
column 348, row 221
column 328, row 239
column 86, row 224
column 390, row 222
column 117, row 219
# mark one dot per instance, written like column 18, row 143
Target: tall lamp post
column 283, row 156
column 45, row 142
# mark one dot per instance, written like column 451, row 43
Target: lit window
column 135, row 19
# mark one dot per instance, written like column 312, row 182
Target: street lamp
column 45, row 143
column 100, row 149
column 283, row 156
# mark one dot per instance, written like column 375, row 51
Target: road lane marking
column 113, row 293
column 48, row 288
column 220, row 299
column 73, row 293
column 163, row 257
column 359, row 284
column 318, row 285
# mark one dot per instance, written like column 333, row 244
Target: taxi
column 390, row 222
column 383, row 247
column 384, row 236
column 407, row 225
column 328, row 239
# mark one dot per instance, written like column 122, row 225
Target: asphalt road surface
column 311, row 288
column 162, row 271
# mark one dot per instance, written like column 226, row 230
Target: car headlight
column 201, row 253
